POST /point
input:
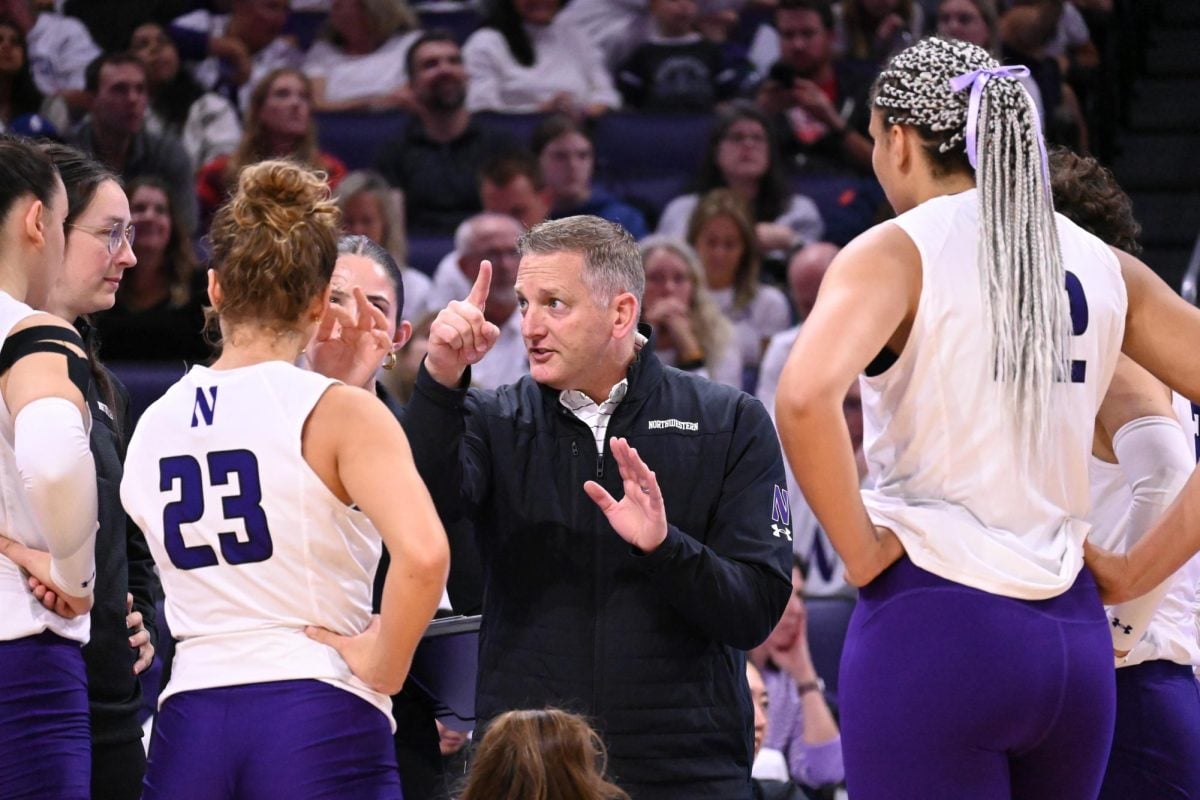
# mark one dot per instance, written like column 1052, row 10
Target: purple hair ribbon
column 977, row 80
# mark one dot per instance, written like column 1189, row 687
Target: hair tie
column 977, row 80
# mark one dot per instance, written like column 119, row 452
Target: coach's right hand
column 460, row 336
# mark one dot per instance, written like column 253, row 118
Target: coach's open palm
column 640, row 516
column 459, row 335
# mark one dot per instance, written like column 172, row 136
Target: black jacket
column 123, row 564
column 649, row 647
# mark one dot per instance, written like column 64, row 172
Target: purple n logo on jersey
column 781, row 507
column 205, row 408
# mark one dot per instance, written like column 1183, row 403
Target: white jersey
column 23, row 615
column 943, row 455
column 1174, row 631
column 250, row 543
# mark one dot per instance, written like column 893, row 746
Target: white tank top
column 22, row 614
column 1174, row 631
column 942, row 451
column 250, row 543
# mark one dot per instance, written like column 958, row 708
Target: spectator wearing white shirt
column 358, row 61
column 59, row 49
column 526, row 60
column 238, row 49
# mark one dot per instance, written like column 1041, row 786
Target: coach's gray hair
column 612, row 263
column 1023, row 278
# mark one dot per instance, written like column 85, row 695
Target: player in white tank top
column 48, row 507
column 263, row 490
column 989, row 329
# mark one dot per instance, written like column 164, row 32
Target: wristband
column 817, row 685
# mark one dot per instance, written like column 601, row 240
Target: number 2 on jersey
column 189, row 508
column 1079, row 322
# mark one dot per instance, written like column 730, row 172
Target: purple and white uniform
column 252, row 547
column 980, row 665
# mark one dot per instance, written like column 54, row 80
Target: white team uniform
column 942, row 452
column 1173, row 634
column 23, row 615
column 250, row 543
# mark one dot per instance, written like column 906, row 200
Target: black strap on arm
column 49, row 339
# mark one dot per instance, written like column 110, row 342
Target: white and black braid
column 1020, row 258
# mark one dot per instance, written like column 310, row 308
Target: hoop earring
column 389, row 361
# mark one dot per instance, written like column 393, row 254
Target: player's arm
column 1161, row 330
column 375, row 470
column 1138, row 422
column 44, row 388
column 864, row 304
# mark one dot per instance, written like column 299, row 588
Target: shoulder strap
column 49, row 339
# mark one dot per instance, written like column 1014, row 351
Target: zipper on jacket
column 574, row 448
column 600, row 465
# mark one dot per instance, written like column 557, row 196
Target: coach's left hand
column 640, row 517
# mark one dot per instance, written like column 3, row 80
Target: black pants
column 117, row 770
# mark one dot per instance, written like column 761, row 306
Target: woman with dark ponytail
column 98, row 250
column 978, row 662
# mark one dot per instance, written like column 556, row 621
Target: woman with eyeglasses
column 159, row 312
column 98, row 250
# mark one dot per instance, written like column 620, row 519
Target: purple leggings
column 1156, row 751
column 952, row 692
column 303, row 740
column 45, row 739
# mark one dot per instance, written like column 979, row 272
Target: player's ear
column 214, row 290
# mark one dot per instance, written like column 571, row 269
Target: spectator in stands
column 540, row 755
column 875, row 30
column 805, row 270
column 58, row 48
column 977, row 22
column 512, row 184
column 1072, row 42
column 721, row 232
column 437, row 162
column 371, row 208
column 509, row 184
column 159, row 312
column 820, row 103
column 743, row 156
column 279, row 124
column 677, row 69
column 799, row 722
column 762, row 788
column 691, row 333
column 115, row 131
column 568, row 160
column 205, row 122
column 239, row 48
column 358, row 61
column 1025, row 31
column 493, row 237
column 19, row 94
column 525, row 60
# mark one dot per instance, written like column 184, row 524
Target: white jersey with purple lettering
column 950, row 477
column 23, row 615
column 251, row 545
column 1174, row 630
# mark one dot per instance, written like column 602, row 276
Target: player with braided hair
column 978, row 662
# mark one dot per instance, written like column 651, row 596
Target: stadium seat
column 146, row 381
column 517, row 127
column 358, row 137
column 460, row 19
column 639, row 144
column 828, row 619
column 848, row 204
column 426, row 250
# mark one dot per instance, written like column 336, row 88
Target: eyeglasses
column 116, row 234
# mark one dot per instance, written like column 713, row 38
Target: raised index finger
column 483, row 284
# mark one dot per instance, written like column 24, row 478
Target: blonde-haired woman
column 358, row 61
column 722, row 233
column 691, row 333
column 281, row 680
column 278, row 124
